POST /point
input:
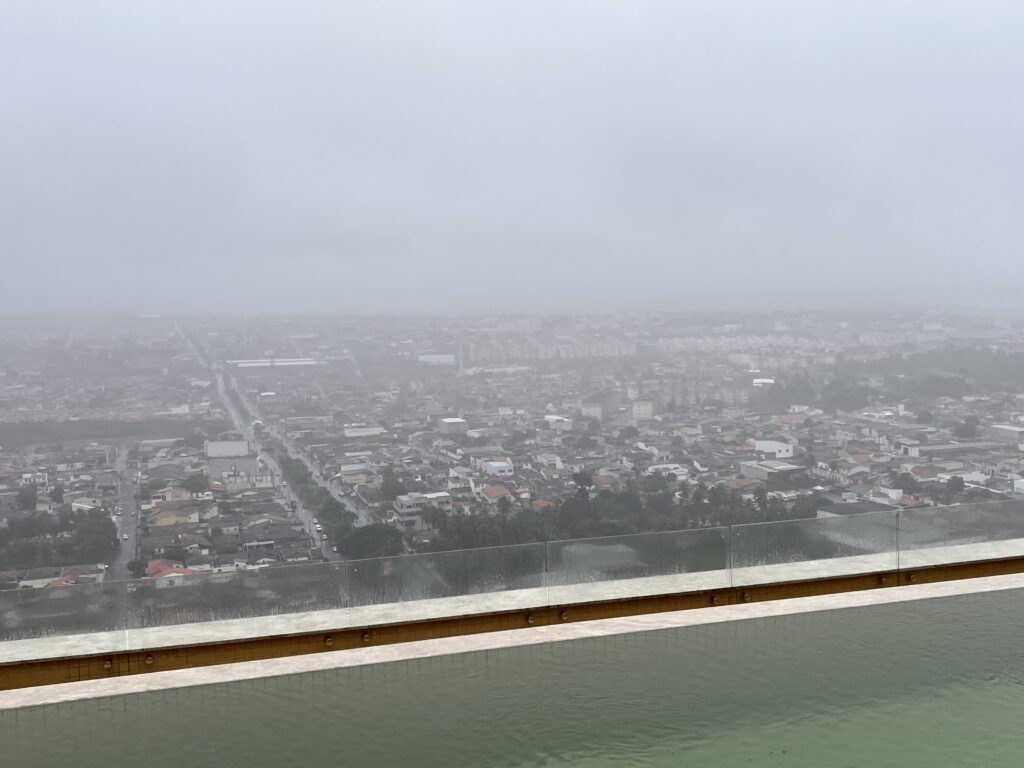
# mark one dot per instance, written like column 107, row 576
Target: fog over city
column 493, row 383
column 516, row 156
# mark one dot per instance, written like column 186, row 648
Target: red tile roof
column 496, row 491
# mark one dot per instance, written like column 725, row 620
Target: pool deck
column 156, row 681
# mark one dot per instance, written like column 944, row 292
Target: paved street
column 243, row 425
column 307, row 516
column 361, row 516
column 127, row 522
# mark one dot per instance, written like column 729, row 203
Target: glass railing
column 336, row 595
column 817, row 547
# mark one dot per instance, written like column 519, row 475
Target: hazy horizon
column 460, row 158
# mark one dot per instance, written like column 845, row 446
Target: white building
column 452, row 426
column 1007, row 434
column 549, row 460
column 409, row 508
column 667, row 469
column 775, row 448
column 233, row 463
column 436, row 359
column 362, row 430
column 498, row 467
column 558, row 423
column 642, row 410
column 220, row 449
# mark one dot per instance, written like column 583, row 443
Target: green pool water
column 936, row 682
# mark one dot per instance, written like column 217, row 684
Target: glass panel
column 793, row 550
column 504, row 569
column 409, row 587
column 303, row 587
column 641, row 564
column 184, row 599
column 187, row 599
column 30, row 612
column 961, row 533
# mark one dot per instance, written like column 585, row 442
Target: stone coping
column 157, row 681
column 177, row 635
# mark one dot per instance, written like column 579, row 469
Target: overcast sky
column 480, row 155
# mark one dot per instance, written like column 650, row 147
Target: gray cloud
column 448, row 156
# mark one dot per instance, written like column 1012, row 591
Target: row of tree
column 369, row 541
column 658, row 504
column 41, row 539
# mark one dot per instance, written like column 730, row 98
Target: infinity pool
column 936, row 682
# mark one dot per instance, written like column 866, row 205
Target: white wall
column 780, row 450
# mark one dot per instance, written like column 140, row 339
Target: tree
column 654, row 483
column 761, row 500
column 137, row 568
column 57, row 494
column 391, row 487
column 175, row 552
column 807, row 506
column 967, row 428
column 26, row 499
column 375, row 540
column 906, row 482
column 333, row 511
column 504, row 506
column 433, row 517
column 629, row 433
column 216, row 531
column 584, row 482
column 954, row 485
column 197, row 483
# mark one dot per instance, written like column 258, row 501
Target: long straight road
column 127, row 521
column 361, row 516
column 306, row 516
column 242, row 425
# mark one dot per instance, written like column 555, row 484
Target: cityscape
column 161, row 447
column 565, row 384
